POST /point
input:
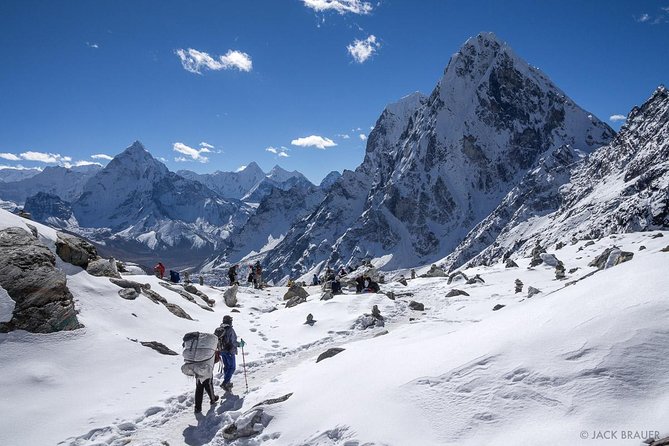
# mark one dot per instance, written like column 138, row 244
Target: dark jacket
column 227, row 339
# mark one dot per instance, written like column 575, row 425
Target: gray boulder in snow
column 327, row 295
column 665, row 249
column 103, row 268
column 295, row 300
column 247, row 425
column 128, row 293
column 549, row 259
column 434, row 271
column 474, row 280
column 160, row 348
column 75, row 250
column 416, row 306
column 611, row 257
column 125, row 283
column 531, row 291
column 230, row 296
column 458, row 275
column 295, row 291
column 510, row 264
column 43, row 303
column 329, row 353
column 456, row 292
column 498, row 307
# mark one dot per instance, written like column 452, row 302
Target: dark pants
column 200, row 387
column 229, row 366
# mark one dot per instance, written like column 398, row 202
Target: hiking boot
column 215, row 400
column 227, row 386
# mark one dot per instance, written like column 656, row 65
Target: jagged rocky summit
column 436, row 166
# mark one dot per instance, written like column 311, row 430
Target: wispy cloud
column 240, row 168
column 363, row 136
column 9, row 157
column 344, row 136
column 92, row 45
column 18, row 167
column 281, row 152
column 102, row 156
column 361, row 50
column 47, row 158
column 340, row 6
column 617, row 118
column 207, row 145
column 85, row 163
column 190, row 153
column 196, row 61
column 642, row 18
column 314, row 141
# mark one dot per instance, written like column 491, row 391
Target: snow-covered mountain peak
column 252, row 169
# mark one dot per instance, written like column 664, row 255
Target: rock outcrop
column 43, row 303
column 75, row 250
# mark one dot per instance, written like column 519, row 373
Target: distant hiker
column 201, row 280
column 314, row 281
column 186, row 277
column 359, row 284
column 250, row 278
column 329, row 274
column 199, row 358
column 342, row 272
column 413, row 273
column 336, row 286
column 370, row 286
column 175, row 277
column 159, row 269
column 227, row 347
column 232, row 275
column 257, row 275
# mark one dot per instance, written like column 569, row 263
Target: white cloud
column 162, row 159
column 340, row 6
column 206, row 144
column 616, row 118
column 195, row 61
column 9, row 157
column 643, row 18
column 102, row 156
column 92, row 45
column 86, row 163
column 344, row 136
column 282, row 152
column 190, row 153
column 49, row 158
column 240, row 168
column 313, row 141
column 363, row 137
column 361, row 50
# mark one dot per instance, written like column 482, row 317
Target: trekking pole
column 244, row 362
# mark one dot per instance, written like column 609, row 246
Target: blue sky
column 80, row 78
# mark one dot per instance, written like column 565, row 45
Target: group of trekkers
column 175, row 276
column 363, row 282
column 202, row 351
column 254, row 277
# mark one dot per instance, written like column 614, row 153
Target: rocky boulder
column 128, row 293
column 230, row 296
column 295, row 291
column 75, row 250
column 510, row 264
column 416, row 306
column 160, row 348
column 531, row 291
column 43, row 303
column 247, row 425
column 549, row 259
column 435, row 271
column 329, row 353
column 498, row 307
column 611, row 257
column 103, row 268
column 294, row 301
column 456, row 292
column 125, row 283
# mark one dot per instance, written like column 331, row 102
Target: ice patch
column 7, row 305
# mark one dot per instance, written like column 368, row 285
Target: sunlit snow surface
column 590, row 356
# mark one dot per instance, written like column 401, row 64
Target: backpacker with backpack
column 199, row 354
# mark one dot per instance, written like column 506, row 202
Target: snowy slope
column 436, row 166
column 10, row 174
column 588, row 356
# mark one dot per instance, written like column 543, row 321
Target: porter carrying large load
column 199, row 354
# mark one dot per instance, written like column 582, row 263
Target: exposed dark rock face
column 416, row 306
column 498, row 307
column 28, row 274
column 43, row 206
column 103, row 268
column 329, row 353
column 456, row 292
column 160, row 348
column 75, row 250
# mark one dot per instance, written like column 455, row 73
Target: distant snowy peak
column 56, row 180
column 10, row 174
column 280, row 174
